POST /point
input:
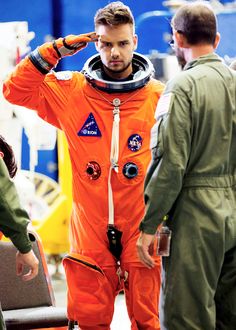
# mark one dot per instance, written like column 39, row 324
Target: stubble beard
column 108, row 70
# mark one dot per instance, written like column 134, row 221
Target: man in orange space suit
column 106, row 112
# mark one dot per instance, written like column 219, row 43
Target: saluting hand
column 73, row 43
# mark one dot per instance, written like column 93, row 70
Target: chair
column 28, row 305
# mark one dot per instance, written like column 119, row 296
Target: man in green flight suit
column 192, row 180
column 13, row 219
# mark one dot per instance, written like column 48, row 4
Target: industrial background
column 47, row 195
column 50, row 19
column 56, row 18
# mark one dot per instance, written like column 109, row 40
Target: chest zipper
column 114, row 156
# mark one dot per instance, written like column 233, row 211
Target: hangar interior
column 41, row 150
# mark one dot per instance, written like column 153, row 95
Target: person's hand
column 73, row 43
column 46, row 56
column 27, row 259
column 145, row 249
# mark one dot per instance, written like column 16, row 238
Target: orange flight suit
column 69, row 102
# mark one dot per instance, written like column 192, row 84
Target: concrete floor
column 120, row 320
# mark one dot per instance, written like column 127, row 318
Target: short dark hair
column 197, row 22
column 115, row 13
column 8, row 157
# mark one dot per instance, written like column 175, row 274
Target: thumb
column 19, row 268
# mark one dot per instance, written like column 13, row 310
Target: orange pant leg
column 142, row 289
column 90, row 293
column 112, row 277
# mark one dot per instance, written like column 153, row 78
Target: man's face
column 116, row 45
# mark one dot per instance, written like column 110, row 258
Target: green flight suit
column 13, row 219
column 192, row 178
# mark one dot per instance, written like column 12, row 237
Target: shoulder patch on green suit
column 163, row 105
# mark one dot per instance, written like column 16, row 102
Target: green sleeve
column 13, row 219
column 169, row 161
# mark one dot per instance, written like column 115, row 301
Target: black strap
column 68, row 46
column 71, row 325
column 56, row 48
column 35, row 62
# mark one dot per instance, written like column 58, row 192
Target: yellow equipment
column 53, row 228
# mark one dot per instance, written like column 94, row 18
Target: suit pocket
column 88, row 291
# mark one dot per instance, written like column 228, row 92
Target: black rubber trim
column 56, row 49
column 86, row 263
column 68, row 46
column 36, row 64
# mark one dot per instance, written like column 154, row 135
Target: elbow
column 12, row 96
column 7, row 92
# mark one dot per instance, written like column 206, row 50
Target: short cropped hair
column 197, row 22
column 9, row 158
column 115, row 13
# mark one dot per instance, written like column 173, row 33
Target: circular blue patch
column 135, row 142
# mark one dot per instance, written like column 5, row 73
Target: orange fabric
column 50, row 55
column 141, row 292
column 92, row 295
column 66, row 102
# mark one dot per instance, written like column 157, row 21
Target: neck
column 196, row 51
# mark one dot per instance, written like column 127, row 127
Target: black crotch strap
column 114, row 238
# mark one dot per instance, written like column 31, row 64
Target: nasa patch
column 135, row 142
column 90, row 127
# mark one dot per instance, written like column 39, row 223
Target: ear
column 217, row 40
column 135, row 40
column 1, row 154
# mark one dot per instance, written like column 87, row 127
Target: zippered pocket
column 89, row 293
